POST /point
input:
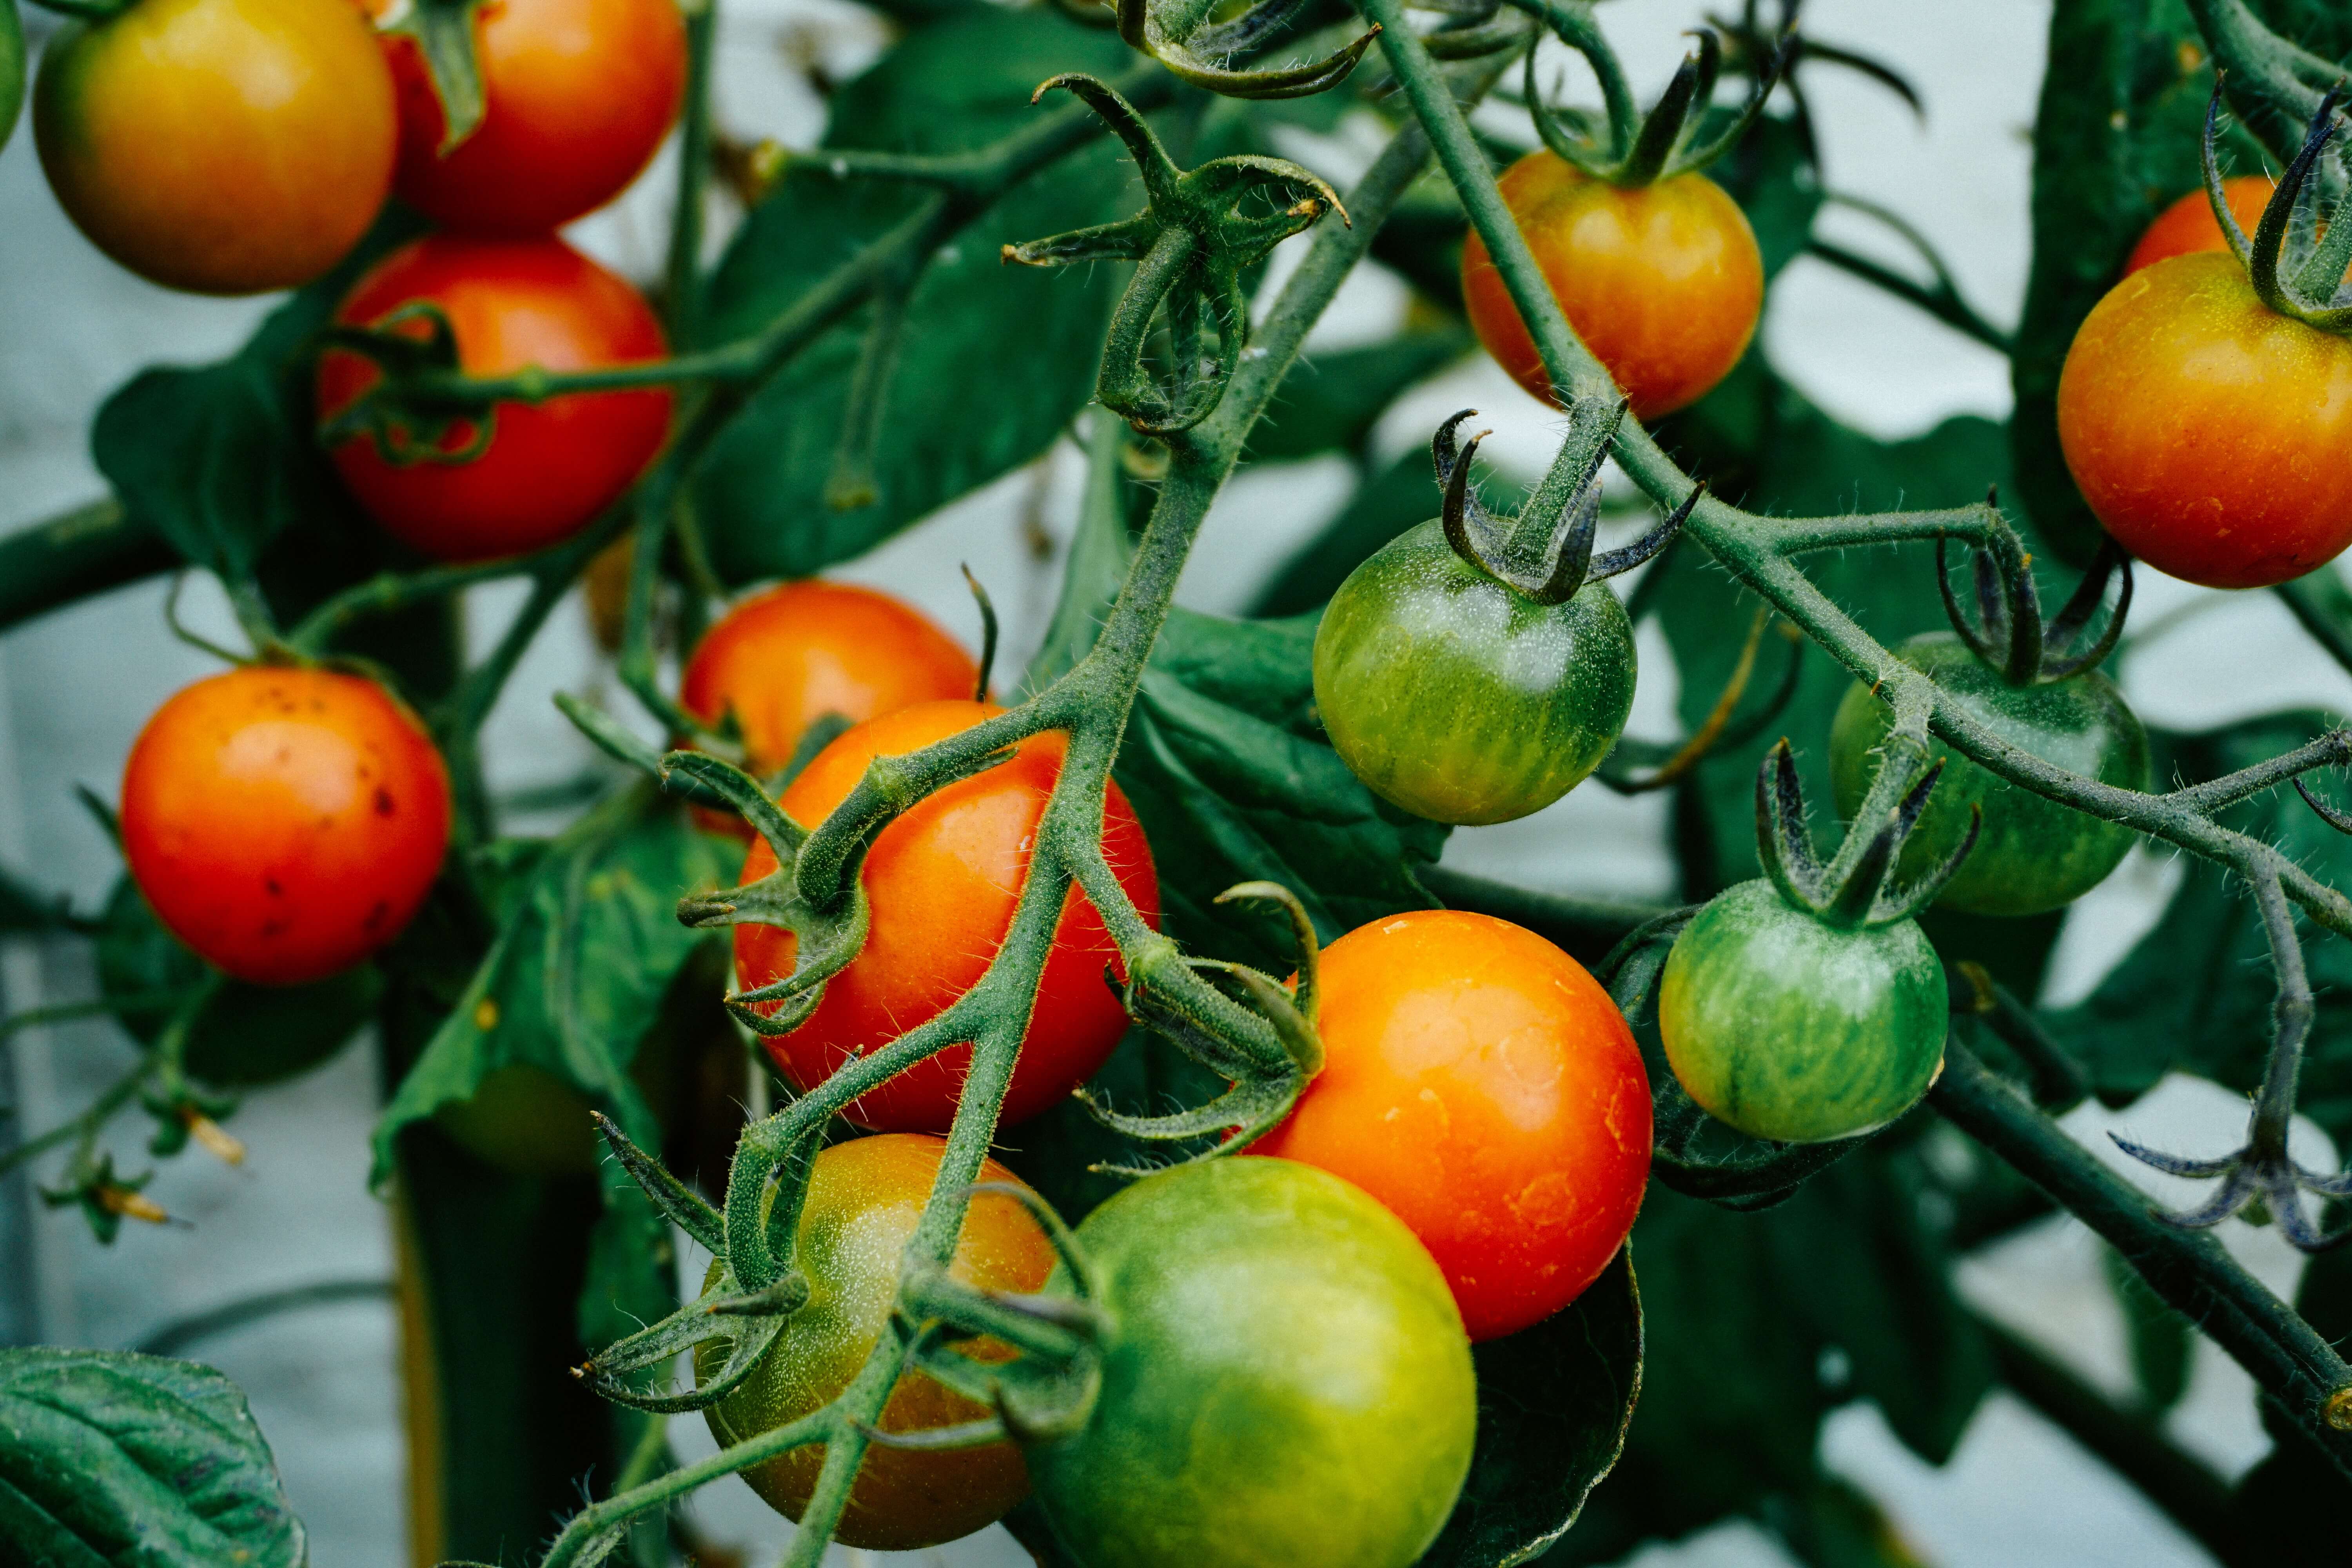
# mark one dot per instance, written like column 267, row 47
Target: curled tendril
column 1182, row 35
column 1203, row 228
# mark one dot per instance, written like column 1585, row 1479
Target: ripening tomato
column 791, row 654
column 943, row 880
column 284, row 823
column 222, row 146
column 1482, row 1086
column 864, row 1199
column 1662, row 282
column 2187, row 226
column 549, row 466
column 577, row 96
column 2209, row 433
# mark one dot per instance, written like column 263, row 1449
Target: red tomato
column 786, row 657
column 2187, row 227
column 2209, row 434
column 1483, row 1087
column 550, row 466
column 942, row 881
column 225, row 146
column 1662, row 282
column 284, row 823
column 577, row 96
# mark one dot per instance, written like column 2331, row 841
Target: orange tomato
column 577, row 96
column 284, row 823
column 550, row 466
column 786, row 657
column 1483, row 1087
column 2187, row 226
column 942, row 881
column 221, row 146
column 2208, row 433
column 1664, row 282
column 864, row 1199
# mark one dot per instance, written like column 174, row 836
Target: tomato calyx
column 1668, row 140
column 2295, row 272
column 2007, row 631
column 444, row 34
column 1185, row 39
column 1855, row 890
column 412, row 414
column 1193, row 240
column 1211, row 1027
column 1544, row 551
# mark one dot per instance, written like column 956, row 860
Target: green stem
column 683, row 291
column 70, row 556
column 2297, row 1369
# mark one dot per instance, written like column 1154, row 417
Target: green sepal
column 444, row 31
column 403, row 418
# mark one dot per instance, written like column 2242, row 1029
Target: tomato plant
column 225, row 147
column 943, row 880
column 1485, row 1088
column 1281, row 1308
column 788, row 655
column 285, row 823
column 12, row 73
column 576, row 97
column 545, row 469
column 864, row 1199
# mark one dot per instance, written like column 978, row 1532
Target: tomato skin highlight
column 577, row 96
column 785, row 657
column 1457, row 698
column 943, row 880
column 1283, row 1313
column 1786, row 1028
column 2187, row 226
column 2208, row 433
column 218, row 146
column 2031, row 854
column 549, row 466
column 1663, row 283
column 864, row 1199
column 1483, row 1087
column 284, row 823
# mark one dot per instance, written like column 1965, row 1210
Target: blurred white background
column 75, row 687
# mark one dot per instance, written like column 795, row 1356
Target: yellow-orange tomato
column 2209, row 434
column 2187, row 227
column 943, row 880
column 284, row 823
column 222, row 146
column 1662, row 282
column 864, row 1197
column 785, row 657
column 1483, row 1087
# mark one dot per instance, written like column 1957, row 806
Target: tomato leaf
column 1553, row 1405
column 115, row 1458
column 994, row 359
column 218, row 459
column 1229, row 771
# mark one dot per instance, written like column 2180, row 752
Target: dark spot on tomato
column 384, row 802
column 376, row 914
column 276, row 891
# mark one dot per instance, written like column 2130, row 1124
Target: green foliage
column 112, row 1459
column 11, row 72
column 996, row 359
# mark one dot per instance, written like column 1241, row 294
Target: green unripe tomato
column 1461, row 700
column 1790, row 1028
column 1288, row 1384
column 2032, row 853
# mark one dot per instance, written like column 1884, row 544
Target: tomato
column 785, row 657
column 577, row 96
column 1788, row 1028
column 284, row 823
column 1289, row 1382
column 549, row 466
column 2207, row 432
column 1452, row 695
column 864, row 1197
column 2187, row 226
column 942, row 881
column 224, row 146
column 1662, row 282
column 2031, row 854
column 1482, row 1086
